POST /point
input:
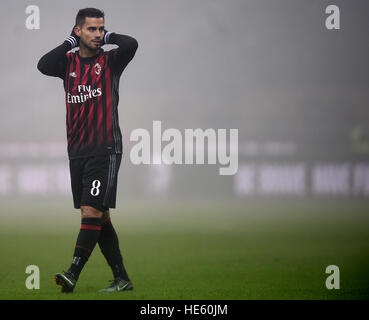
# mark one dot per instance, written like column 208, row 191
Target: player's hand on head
column 106, row 37
column 73, row 39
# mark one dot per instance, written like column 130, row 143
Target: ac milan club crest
column 97, row 68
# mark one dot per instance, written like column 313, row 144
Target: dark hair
column 90, row 13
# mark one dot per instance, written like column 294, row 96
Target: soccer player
column 91, row 82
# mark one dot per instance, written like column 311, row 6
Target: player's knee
column 90, row 212
column 105, row 216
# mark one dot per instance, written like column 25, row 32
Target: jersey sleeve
column 121, row 56
column 54, row 63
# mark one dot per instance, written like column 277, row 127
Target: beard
column 89, row 47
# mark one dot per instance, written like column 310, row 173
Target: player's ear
column 77, row 30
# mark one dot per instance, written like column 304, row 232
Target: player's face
column 92, row 33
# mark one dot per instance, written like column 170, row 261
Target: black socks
column 93, row 231
column 86, row 241
column 109, row 245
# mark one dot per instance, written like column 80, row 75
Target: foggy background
column 297, row 93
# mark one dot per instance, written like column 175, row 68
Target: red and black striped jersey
column 91, row 95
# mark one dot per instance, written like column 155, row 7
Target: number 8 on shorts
column 95, row 190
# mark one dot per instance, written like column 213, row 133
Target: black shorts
column 94, row 181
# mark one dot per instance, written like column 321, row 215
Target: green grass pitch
column 225, row 250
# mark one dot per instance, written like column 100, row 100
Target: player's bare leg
column 105, row 216
column 90, row 212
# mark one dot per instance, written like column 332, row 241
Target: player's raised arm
column 54, row 62
column 126, row 50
